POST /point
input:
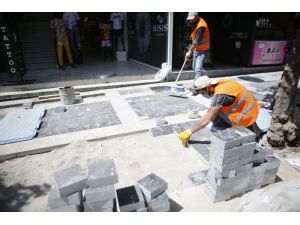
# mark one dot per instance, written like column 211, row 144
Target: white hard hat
column 191, row 15
column 203, row 82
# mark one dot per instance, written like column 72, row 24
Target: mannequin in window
column 117, row 20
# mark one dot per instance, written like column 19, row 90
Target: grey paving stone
column 215, row 195
column 152, row 185
column 221, row 157
column 87, row 207
column 246, row 134
column 161, row 105
column 104, row 193
column 164, row 207
column 224, row 170
column 102, row 173
column 70, row 180
column 244, row 169
column 198, row 177
column 259, row 155
column 69, row 208
column 167, row 129
column 130, row 199
column 156, row 131
column 225, row 139
column 158, row 199
column 271, row 162
column 56, row 201
column 142, row 210
column 257, row 174
column 102, row 204
column 92, row 115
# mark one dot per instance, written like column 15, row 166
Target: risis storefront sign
column 268, row 52
column 7, row 46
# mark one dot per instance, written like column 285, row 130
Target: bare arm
column 209, row 116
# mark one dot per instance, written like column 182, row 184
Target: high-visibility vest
column 244, row 110
column 205, row 42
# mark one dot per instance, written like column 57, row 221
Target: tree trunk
column 282, row 131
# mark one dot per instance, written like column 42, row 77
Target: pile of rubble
column 238, row 164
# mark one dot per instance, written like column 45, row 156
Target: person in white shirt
column 71, row 18
column 117, row 20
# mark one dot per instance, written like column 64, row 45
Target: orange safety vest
column 244, row 110
column 205, row 42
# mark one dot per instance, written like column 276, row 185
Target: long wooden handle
column 180, row 71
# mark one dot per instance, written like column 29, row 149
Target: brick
column 271, row 162
column 102, row 173
column 215, row 195
column 89, row 208
column 224, row 157
column 102, row 204
column 69, row 208
column 225, row 139
column 253, row 187
column 142, row 210
column 56, row 201
column 158, row 200
column 244, row 169
column 167, row 129
column 270, row 179
column 257, row 174
column 152, row 185
column 70, row 180
column 104, row 193
column 130, row 199
column 224, row 170
column 245, row 134
column 259, row 154
column 155, row 132
column 165, row 207
column 198, row 177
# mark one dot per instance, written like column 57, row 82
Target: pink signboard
column 268, row 52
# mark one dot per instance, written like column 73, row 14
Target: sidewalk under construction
column 125, row 116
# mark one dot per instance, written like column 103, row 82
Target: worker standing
column 232, row 105
column 200, row 42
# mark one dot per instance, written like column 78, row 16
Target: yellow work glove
column 188, row 55
column 185, row 136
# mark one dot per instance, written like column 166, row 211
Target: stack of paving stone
column 154, row 190
column 238, row 164
column 66, row 194
column 131, row 199
column 100, row 196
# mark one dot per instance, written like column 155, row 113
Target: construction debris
column 238, row 164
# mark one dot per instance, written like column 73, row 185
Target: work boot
column 73, row 66
column 61, row 67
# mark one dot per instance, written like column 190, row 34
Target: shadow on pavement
column 13, row 198
column 174, row 206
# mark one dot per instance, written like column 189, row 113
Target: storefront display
column 268, row 52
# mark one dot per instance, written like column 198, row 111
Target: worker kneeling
column 232, row 105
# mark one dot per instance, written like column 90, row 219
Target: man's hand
column 185, row 136
column 188, row 55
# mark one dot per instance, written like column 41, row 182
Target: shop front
column 237, row 39
column 148, row 37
